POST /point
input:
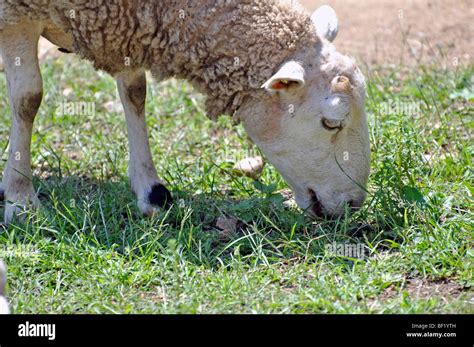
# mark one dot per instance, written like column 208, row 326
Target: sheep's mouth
column 316, row 207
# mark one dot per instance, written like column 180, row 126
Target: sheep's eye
column 331, row 124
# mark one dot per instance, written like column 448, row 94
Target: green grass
column 89, row 249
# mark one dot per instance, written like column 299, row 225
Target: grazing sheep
column 266, row 63
column 3, row 279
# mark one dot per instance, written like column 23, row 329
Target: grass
column 89, row 249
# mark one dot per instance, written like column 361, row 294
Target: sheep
column 266, row 63
column 3, row 279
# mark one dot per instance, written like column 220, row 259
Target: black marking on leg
column 160, row 196
column 2, row 194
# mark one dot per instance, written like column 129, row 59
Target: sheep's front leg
column 19, row 50
column 150, row 191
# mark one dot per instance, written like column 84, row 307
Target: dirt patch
column 227, row 228
column 404, row 31
column 426, row 289
column 157, row 296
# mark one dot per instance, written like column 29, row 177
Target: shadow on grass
column 205, row 229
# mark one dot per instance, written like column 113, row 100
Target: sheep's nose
column 318, row 210
column 353, row 205
column 356, row 203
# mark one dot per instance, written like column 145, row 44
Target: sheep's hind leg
column 20, row 56
column 150, row 191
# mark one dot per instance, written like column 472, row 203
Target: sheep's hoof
column 158, row 197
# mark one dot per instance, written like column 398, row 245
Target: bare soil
column 425, row 289
column 407, row 32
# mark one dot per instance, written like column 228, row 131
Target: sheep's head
column 311, row 124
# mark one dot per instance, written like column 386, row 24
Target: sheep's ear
column 325, row 21
column 290, row 75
